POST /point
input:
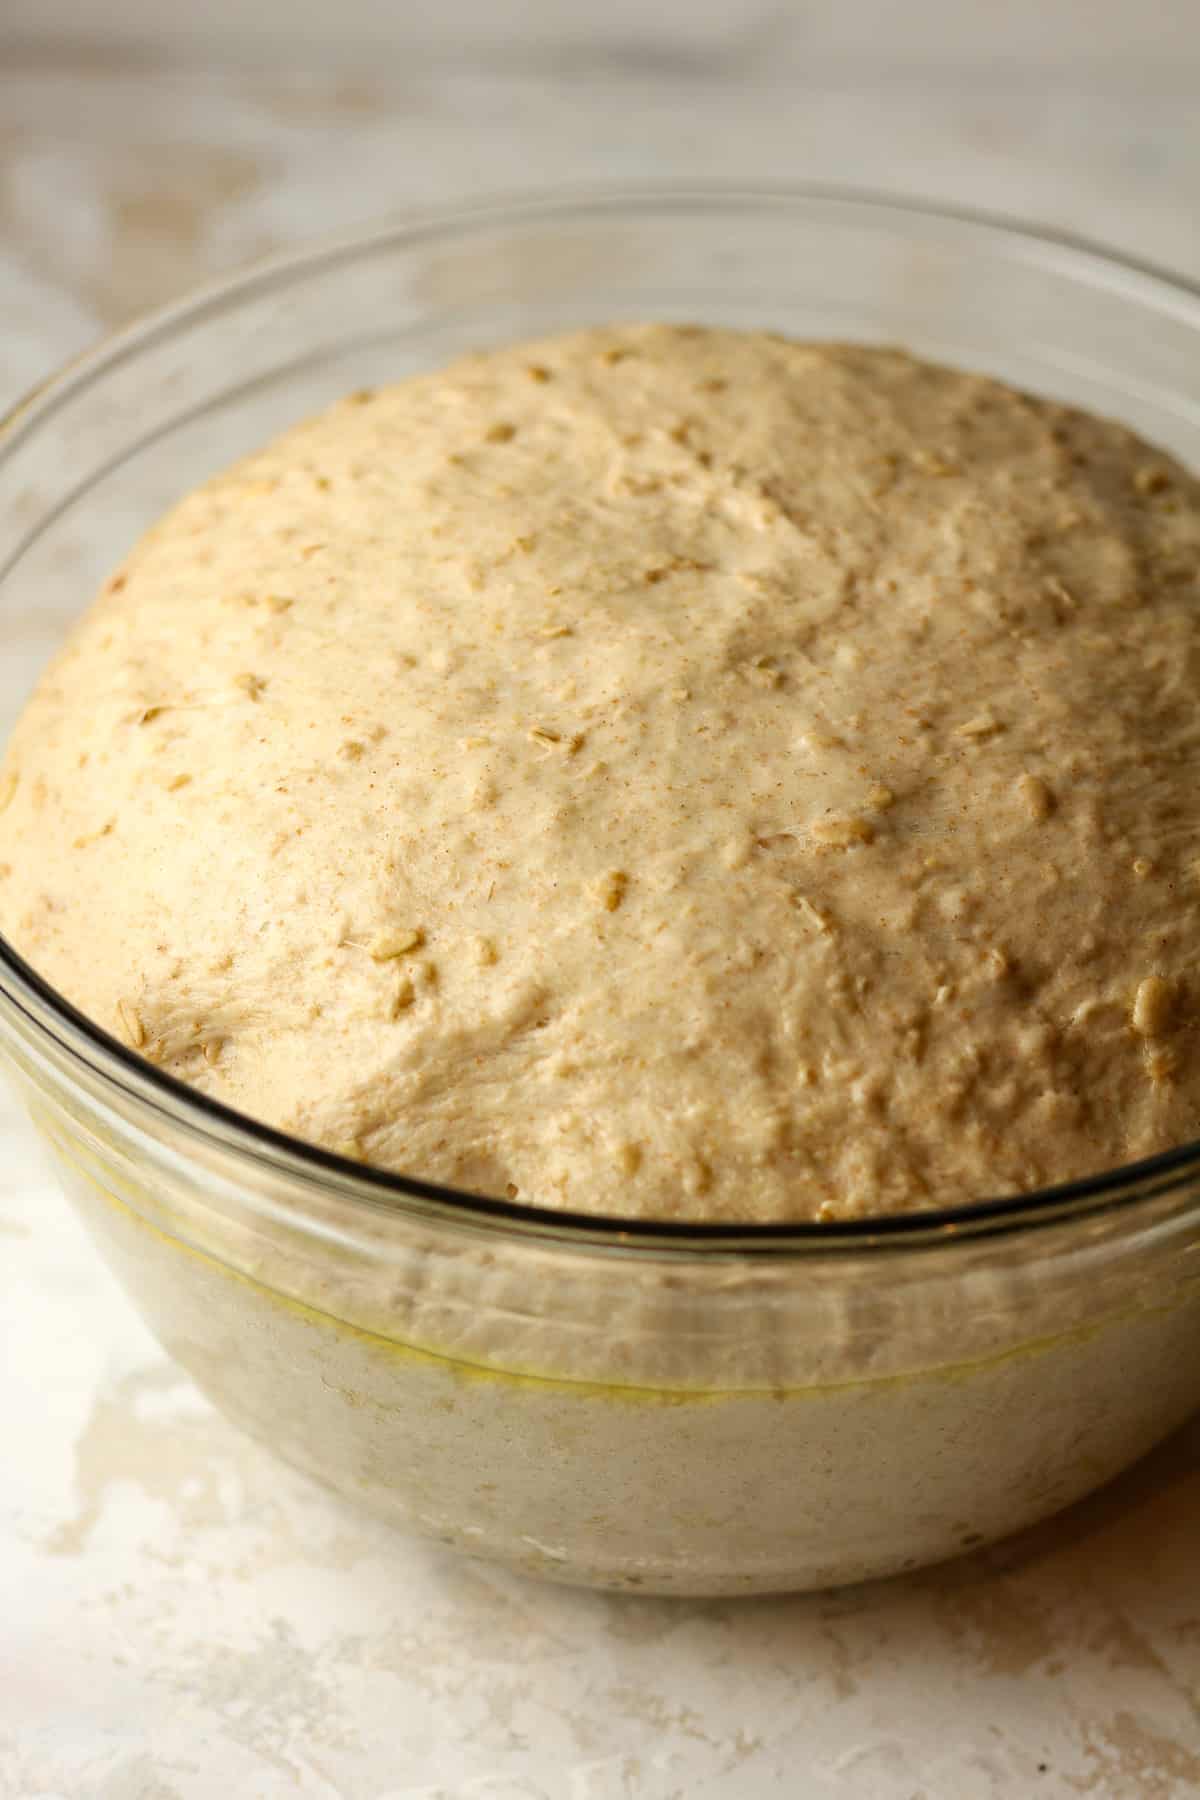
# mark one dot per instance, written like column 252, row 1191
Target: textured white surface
column 179, row 1617
column 748, row 36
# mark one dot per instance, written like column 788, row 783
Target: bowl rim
column 48, row 1013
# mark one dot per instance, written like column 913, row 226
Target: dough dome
column 654, row 771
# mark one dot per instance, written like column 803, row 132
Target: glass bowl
column 678, row 1409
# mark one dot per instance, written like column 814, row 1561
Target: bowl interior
column 95, row 458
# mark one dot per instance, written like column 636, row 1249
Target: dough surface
column 654, row 771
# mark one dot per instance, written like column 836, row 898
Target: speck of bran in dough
column 395, row 941
column 612, row 889
column 1151, row 1007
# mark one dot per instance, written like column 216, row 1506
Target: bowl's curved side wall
column 668, row 1489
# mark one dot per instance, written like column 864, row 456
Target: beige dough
column 658, row 771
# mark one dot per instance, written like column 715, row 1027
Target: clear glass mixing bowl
column 680, row 1409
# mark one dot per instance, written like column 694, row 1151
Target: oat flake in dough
column 657, row 770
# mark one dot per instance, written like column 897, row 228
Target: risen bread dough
column 655, row 771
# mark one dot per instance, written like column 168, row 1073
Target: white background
column 1014, row 34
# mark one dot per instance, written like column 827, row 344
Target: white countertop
column 182, row 1618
